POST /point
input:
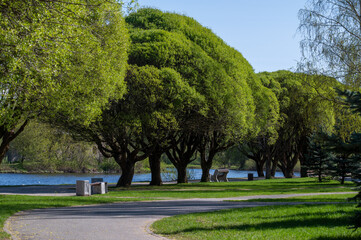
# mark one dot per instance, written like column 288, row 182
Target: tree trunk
column 205, row 172
column 7, row 137
column 206, row 164
column 3, row 150
column 343, row 179
column 182, row 174
column 288, row 173
column 154, row 163
column 127, row 166
column 303, row 171
column 268, row 168
column 126, row 178
column 259, row 167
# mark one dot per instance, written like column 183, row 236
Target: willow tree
column 233, row 95
column 59, row 60
column 304, row 107
column 132, row 127
column 331, row 39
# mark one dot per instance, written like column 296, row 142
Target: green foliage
column 352, row 147
column 318, row 157
column 45, row 149
column 69, row 57
column 60, row 60
column 234, row 94
column 304, row 107
column 231, row 157
column 331, row 44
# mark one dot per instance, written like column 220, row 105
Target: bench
column 220, row 175
column 84, row 188
column 99, row 188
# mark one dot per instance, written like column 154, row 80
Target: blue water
column 7, row 179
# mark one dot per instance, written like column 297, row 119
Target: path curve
column 123, row 220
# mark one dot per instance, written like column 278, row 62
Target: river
column 9, row 179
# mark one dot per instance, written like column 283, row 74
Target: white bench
column 220, row 175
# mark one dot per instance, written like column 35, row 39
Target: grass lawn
column 10, row 204
column 233, row 189
column 337, row 198
column 321, row 222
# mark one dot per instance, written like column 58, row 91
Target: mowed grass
column 321, row 222
column 233, row 189
column 11, row 204
column 337, row 198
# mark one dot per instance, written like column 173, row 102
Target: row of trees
column 331, row 46
column 183, row 91
column 187, row 93
column 303, row 109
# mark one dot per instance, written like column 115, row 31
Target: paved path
column 115, row 221
column 40, row 190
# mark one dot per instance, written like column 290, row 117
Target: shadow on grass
column 276, row 225
column 352, row 236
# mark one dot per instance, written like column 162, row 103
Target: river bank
column 12, row 179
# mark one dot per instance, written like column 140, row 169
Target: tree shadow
column 351, row 237
column 285, row 224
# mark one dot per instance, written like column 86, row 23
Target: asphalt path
column 39, row 190
column 121, row 221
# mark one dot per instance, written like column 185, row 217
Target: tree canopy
column 183, row 83
column 214, row 69
column 331, row 43
column 304, row 107
column 59, row 60
column 234, row 95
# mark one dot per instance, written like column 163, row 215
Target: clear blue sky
column 264, row 31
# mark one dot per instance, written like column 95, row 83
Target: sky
column 264, row 31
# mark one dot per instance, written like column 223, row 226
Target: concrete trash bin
column 83, row 188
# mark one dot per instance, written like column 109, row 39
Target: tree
column 43, row 148
column 332, row 34
column 59, row 60
column 318, row 156
column 302, row 110
column 128, row 129
column 233, row 94
column 331, row 43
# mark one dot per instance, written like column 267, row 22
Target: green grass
column 233, row 189
column 10, row 204
column 319, row 222
column 338, row 198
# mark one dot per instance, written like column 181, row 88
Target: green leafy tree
column 61, row 60
column 318, row 157
column 41, row 148
column 147, row 112
column 353, row 146
column 302, row 111
column 233, row 94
